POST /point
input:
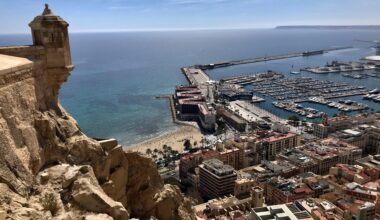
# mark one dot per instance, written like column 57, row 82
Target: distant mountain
column 367, row 27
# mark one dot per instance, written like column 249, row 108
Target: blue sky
column 117, row 15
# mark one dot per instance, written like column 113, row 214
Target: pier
column 267, row 58
column 171, row 104
column 195, row 76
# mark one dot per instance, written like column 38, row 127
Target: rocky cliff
column 49, row 169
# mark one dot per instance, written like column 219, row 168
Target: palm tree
column 148, row 151
column 165, row 147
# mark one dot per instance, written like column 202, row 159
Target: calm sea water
column 112, row 90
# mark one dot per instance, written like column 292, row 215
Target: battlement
column 30, row 51
column 14, row 69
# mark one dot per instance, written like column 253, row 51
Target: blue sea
column 112, row 90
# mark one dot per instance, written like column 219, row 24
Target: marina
column 291, row 90
column 301, row 89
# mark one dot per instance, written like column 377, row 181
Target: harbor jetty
column 267, row 58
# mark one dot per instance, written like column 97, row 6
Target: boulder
column 92, row 198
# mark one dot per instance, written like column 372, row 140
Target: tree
column 187, row 144
column 195, row 143
column 294, row 118
column 148, row 151
column 170, row 149
column 165, row 147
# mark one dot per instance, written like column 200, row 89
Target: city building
column 243, row 187
column 230, row 154
column 320, row 209
column 347, row 153
column 280, row 190
column 253, row 148
column 330, row 125
column 190, row 161
column 230, row 207
column 232, row 92
column 257, row 196
column 366, row 137
column 216, row 179
column 288, row 211
column 344, row 173
column 302, row 161
column 275, row 142
column 233, row 120
column 324, row 156
column 351, row 207
column 372, row 162
column 192, row 106
column 318, row 184
column 267, row 169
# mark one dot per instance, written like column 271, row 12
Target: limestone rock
column 92, row 198
column 98, row 217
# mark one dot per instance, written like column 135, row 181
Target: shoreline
column 174, row 138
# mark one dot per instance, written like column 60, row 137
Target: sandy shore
column 173, row 139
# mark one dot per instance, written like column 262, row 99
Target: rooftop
column 218, row 167
column 275, row 136
column 298, row 157
column 284, row 211
column 370, row 161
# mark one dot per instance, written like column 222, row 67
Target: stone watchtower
column 51, row 32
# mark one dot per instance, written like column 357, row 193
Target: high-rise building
column 216, row 179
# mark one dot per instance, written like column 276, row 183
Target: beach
column 175, row 139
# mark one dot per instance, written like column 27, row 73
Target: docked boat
column 348, row 102
column 257, row 99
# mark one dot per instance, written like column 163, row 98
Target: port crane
column 376, row 44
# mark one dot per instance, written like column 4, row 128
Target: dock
column 199, row 78
column 338, row 67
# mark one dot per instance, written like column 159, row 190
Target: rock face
column 43, row 151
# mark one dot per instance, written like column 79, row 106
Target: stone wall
column 31, row 52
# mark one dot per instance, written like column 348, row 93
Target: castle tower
column 51, row 32
column 257, row 197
